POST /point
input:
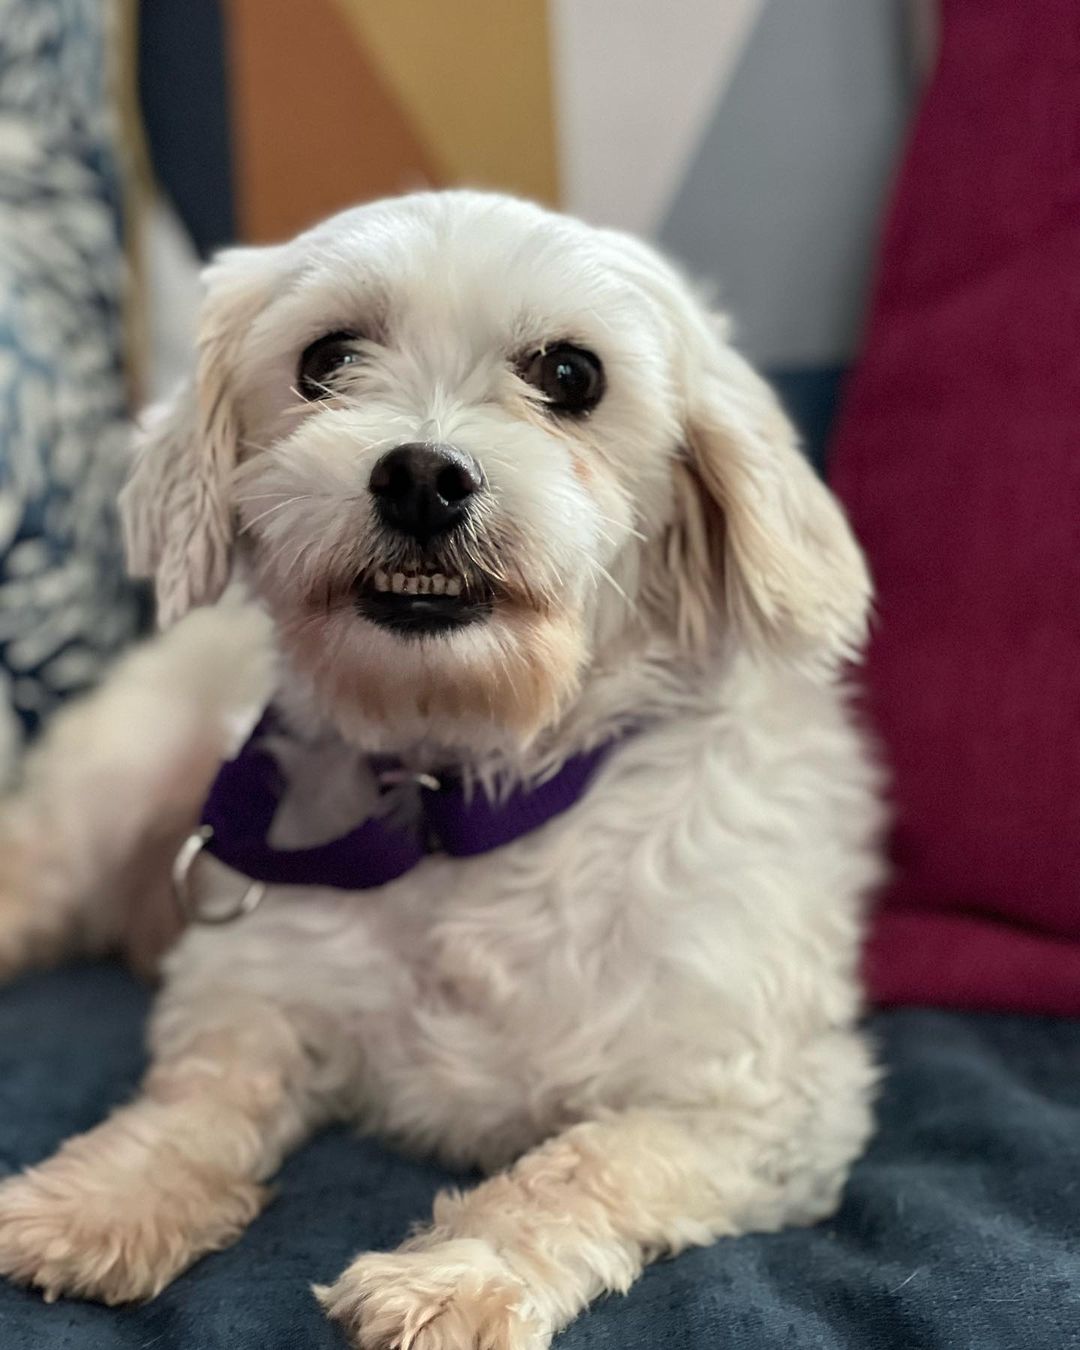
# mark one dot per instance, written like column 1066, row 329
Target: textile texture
column 957, row 1233
column 957, row 457
column 64, row 605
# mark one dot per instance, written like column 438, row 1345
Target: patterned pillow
column 64, row 606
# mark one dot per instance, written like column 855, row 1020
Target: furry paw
column 455, row 1295
column 93, row 1223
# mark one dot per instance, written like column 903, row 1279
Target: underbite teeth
column 412, row 583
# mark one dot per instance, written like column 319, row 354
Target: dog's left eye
column 321, row 361
column 570, row 378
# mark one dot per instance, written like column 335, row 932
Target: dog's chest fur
column 648, row 941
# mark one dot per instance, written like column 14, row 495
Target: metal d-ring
column 395, row 777
column 190, row 849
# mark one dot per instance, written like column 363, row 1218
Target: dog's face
column 464, row 448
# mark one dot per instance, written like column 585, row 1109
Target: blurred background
column 671, row 121
column 137, row 138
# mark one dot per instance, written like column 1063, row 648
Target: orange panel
column 315, row 128
column 475, row 77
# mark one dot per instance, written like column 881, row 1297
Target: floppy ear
column 754, row 524
column 175, row 510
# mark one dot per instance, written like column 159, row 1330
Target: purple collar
column 245, row 795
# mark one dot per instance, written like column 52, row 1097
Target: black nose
column 423, row 489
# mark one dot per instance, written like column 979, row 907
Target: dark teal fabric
column 959, row 1232
column 811, row 396
column 183, row 45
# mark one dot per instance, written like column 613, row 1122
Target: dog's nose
column 424, row 489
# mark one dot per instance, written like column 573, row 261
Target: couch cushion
column 957, row 456
column 958, row 1231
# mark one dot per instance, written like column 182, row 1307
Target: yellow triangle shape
column 474, row 79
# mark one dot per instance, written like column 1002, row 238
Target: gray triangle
column 781, row 202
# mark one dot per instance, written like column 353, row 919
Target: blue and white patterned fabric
column 64, row 606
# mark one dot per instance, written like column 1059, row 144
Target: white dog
column 507, row 502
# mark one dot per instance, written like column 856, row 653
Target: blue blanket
column 960, row 1227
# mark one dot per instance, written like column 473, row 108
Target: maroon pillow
column 958, row 457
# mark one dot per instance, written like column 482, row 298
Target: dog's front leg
column 120, row 1211
column 508, row 1264
column 106, row 798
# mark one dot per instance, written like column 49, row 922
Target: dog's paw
column 455, row 1295
column 115, row 1233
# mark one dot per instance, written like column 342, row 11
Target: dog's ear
column 755, row 529
column 175, row 509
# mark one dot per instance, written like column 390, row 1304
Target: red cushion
column 958, row 455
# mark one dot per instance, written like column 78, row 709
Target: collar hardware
column 190, row 908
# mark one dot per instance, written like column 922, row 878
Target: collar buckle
column 190, row 908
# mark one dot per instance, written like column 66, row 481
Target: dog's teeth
column 425, row 585
column 438, row 584
column 397, row 584
column 412, row 585
column 453, row 586
column 382, row 581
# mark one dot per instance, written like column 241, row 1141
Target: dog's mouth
column 420, row 603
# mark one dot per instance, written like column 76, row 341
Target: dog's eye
column 322, row 360
column 570, row 378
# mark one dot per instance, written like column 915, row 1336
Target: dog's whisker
column 278, row 553
column 294, row 566
column 600, row 571
column 620, row 525
column 607, row 538
column 603, row 572
column 259, row 497
column 254, row 445
column 289, row 501
column 323, row 389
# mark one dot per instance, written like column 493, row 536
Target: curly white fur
column 645, row 1011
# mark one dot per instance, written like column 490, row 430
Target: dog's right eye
column 321, row 361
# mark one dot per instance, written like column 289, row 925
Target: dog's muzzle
column 423, row 494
